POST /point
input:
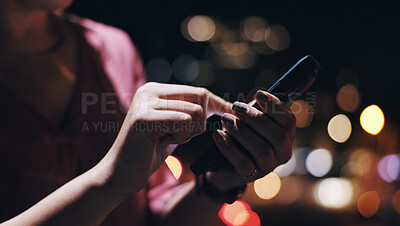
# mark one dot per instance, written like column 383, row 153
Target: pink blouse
column 37, row 157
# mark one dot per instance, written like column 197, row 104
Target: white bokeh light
column 319, row 162
column 334, row 192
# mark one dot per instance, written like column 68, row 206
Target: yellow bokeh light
column 348, row 98
column 368, row 203
column 174, row 166
column 372, row 119
column 339, row 128
column 200, row 28
column 268, row 186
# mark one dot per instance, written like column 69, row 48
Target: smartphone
column 297, row 80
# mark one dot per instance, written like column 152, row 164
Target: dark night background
column 362, row 35
column 359, row 34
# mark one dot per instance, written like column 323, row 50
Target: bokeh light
column 185, row 68
column 253, row 28
column 174, row 166
column 363, row 159
column 389, row 168
column 158, row 70
column 229, row 212
column 277, row 37
column 286, row 169
column 372, row 119
column 198, row 28
column 368, row 203
column 348, row 98
column 303, row 112
column 396, row 201
column 334, row 192
column 319, row 162
column 247, row 218
column 339, row 128
column 268, row 186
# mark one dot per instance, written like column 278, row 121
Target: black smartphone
column 297, row 80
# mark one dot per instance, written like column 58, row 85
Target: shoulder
column 119, row 57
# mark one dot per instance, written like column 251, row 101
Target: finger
column 273, row 107
column 260, row 150
column 263, row 125
column 161, row 122
column 212, row 103
column 242, row 163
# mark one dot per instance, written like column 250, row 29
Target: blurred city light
column 319, row 162
column 185, row 68
column 277, row 37
column 339, row 128
column 268, row 186
column 198, row 28
column 174, row 166
column 247, row 218
column 368, row 203
column 158, row 70
column 389, row 168
column 334, row 192
column 229, row 212
column 348, row 98
column 372, row 119
column 253, row 28
column 286, row 169
column 363, row 159
column 396, row 201
column 303, row 112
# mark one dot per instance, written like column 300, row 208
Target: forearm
column 187, row 207
column 85, row 200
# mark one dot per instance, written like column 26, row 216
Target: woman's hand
column 159, row 115
column 267, row 136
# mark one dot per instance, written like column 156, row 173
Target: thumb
column 217, row 105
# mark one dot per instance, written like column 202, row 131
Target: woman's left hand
column 267, row 136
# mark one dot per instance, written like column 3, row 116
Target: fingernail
column 240, row 108
column 261, row 96
column 218, row 136
column 228, row 119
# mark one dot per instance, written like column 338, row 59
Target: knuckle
column 204, row 93
column 198, row 111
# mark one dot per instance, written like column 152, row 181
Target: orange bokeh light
column 247, row 218
column 229, row 212
column 396, row 201
column 368, row 203
column 174, row 166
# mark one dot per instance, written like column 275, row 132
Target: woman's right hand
column 160, row 116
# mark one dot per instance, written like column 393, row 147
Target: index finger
column 211, row 103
